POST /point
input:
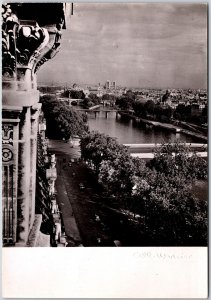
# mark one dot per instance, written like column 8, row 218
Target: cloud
column 133, row 44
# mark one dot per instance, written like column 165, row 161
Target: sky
column 144, row 45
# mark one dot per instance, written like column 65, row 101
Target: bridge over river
column 96, row 111
column 146, row 150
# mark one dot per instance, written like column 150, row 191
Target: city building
column 30, row 37
column 108, row 84
column 113, row 85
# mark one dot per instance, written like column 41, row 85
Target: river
column 129, row 132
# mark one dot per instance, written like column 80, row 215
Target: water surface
column 129, row 132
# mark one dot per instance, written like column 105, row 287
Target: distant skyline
column 146, row 45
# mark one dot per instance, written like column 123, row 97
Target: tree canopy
column 125, row 103
column 158, row 192
column 62, row 121
column 178, row 160
column 73, row 94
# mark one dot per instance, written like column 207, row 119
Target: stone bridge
column 96, row 112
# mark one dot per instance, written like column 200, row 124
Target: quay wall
column 167, row 126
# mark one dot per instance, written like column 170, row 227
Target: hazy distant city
column 195, row 100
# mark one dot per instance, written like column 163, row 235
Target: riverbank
column 167, row 126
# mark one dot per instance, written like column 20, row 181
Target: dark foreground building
column 30, row 36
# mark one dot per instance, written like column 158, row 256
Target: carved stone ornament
column 25, row 44
column 9, row 28
column 7, row 155
column 7, row 134
column 7, row 144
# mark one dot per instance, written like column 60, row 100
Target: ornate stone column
column 24, row 176
column 34, row 129
column 31, row 35
column 10, row 135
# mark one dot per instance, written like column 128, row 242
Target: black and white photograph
column 104, row 125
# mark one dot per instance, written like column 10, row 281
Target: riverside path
column 87, row 220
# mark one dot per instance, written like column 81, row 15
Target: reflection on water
column 129, row 132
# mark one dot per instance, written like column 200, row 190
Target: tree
column 116, row 174
column 125, row 103
column 139, row 108
column 94, row 98
column 159, row 192
column 62, row 120
column 167, row 112
column 66, row 94
column 107, row 97
column 205, row 111
column 75, row 94
column 96, row 147
column 180, row 112
column 129, row 94
column 87, row 102
column 158, row 111
column 149, row 107
column 179, row 160
column 173, row 215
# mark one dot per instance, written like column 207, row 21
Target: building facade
column 31, row 34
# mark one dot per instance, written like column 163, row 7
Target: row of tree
column 145, row 109
column 159, row 192
column 150, row 109
column 62, row 121
column 73, row 94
